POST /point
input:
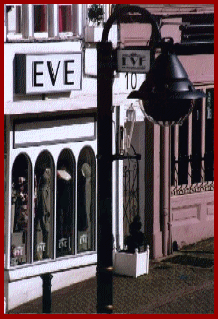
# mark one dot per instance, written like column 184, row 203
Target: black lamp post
column 162, row 88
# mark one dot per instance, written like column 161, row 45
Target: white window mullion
column 27, row 28
column 76, row 19
column 17, row 18
column 53, row 20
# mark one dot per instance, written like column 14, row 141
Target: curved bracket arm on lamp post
column 146, row 16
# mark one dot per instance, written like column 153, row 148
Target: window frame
column 26, row 24
column 93, row 199
column 51, row 239
column 13, row 35
column 29, row 207
column 55, row 151
column 73, row 172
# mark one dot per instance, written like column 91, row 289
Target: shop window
column 209, row 136
column 183, row 153
column 21, row 211
column 40, row 18
column 65, row 203
column 196, row 157
column 65, row 18
column 198, row 28
column 43, row 206
column 86, row 200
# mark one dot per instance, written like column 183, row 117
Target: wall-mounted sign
column 46, row 73
column 133, row 60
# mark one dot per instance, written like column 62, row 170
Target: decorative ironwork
column 199, row 174
column 131, row 189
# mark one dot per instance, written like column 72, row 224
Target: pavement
column 182, row 283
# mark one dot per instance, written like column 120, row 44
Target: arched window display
column 86, row 206
column 65, row 203
column 43, row 206
column 20, row 211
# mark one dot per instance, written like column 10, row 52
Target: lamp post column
column 104, row 181
column 165, row 189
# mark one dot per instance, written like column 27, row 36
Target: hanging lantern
column 167, row 95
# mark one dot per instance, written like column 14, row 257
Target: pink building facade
column 190, row 217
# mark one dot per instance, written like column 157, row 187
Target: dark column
column 104, row 185
column 165, row 189
column 46, row 292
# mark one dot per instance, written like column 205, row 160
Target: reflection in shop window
column 86, row 190
column 43, row 210
column 65, row 204
column 20, row 211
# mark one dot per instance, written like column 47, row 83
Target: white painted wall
column 25, row 290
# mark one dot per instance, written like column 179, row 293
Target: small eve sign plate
column 133, row 60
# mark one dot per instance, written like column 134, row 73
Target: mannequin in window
column 42, row 218
column 86, row 172
column 64, row 208
column 20, row 216
column 84, row 201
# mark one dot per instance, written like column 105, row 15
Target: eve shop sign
column 133, row 60
column 46, row 73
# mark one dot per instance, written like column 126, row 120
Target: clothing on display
column 65, row 213
column 42, row 221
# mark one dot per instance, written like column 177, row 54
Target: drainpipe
column 118, row 195
column 165, row 190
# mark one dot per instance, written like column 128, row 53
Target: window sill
column 40, row 40
column 51, row 266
